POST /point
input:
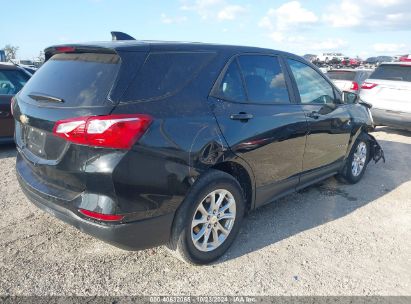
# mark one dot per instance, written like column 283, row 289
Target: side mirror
column 350, row 97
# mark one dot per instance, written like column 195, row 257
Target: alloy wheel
column 213, row 220
column 359, row 159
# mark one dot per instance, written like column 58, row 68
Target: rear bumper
column 136, row 235
column 394, row 119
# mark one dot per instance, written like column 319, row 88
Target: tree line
column 11, row 53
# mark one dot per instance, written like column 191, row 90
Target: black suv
column 143, row 143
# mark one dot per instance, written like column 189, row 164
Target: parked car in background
column 349, row 79
column 12, row 79
column 27, row 65
column 28, row 69
column 310, row 57
column 388, row 89
column 328, row 57
column 174, row 152
column 375, row 61
column 405, row 58
column 381, row 59
column 351, row 62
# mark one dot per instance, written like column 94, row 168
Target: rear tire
column 357, row 161
column 209, row 219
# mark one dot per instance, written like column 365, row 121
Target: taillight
column 101, row 216
column 112, row 131
column 354, row 86
column 368, row 85
column 13, row 100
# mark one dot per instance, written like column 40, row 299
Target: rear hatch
column 389, row 88
column 342, row 79
column 68, row 85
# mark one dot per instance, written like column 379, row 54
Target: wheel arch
column 376, row 152
column 243, row 175
column 361, row 132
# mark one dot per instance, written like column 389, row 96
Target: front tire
column 209, row 219
column 357, row 161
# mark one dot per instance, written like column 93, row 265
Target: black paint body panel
column 280, row 149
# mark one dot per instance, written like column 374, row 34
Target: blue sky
column 354, row 27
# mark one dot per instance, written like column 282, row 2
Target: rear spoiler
column 72, row 48
column 92, row 48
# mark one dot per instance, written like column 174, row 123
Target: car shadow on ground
column 7, row 150
column 321, row 203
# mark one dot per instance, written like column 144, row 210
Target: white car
column 349, row 79
column 388, row 90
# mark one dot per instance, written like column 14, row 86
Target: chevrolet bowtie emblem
column 24, row 119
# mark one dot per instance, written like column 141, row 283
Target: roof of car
column 8, row 66
column 350, row 70
column 396, row 63
column 153, row 45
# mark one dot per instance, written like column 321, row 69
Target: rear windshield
column 165, row 73
column 341, row 75
column 78, row 79
column 392, row 72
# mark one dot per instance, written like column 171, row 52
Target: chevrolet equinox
column 144, row 143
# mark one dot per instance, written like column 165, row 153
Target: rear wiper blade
column 42, row 97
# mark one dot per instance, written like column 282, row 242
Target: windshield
column 341, row 75
column 392, row 72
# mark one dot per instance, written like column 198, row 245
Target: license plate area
column 35, row 140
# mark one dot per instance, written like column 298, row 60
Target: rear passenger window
column 264, row 79
column 166, row 73
column 231, row 87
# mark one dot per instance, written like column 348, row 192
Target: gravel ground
column 330, row 239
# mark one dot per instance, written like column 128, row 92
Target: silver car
column 389, row 91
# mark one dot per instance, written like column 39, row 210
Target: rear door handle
column 314, row 115
column 241, row 116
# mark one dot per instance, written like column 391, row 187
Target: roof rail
column 121, row 36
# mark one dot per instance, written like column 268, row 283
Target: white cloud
column 287, row 16
column 204, row 8
column 384, row 3
column 276, row 36
column 285, row 21
column 389, row 47
column 213, row 9
column 328, row 44
column 305, row 44
column 172, row 20
column 230, row 12
column 347, row 14
column 370, row 14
